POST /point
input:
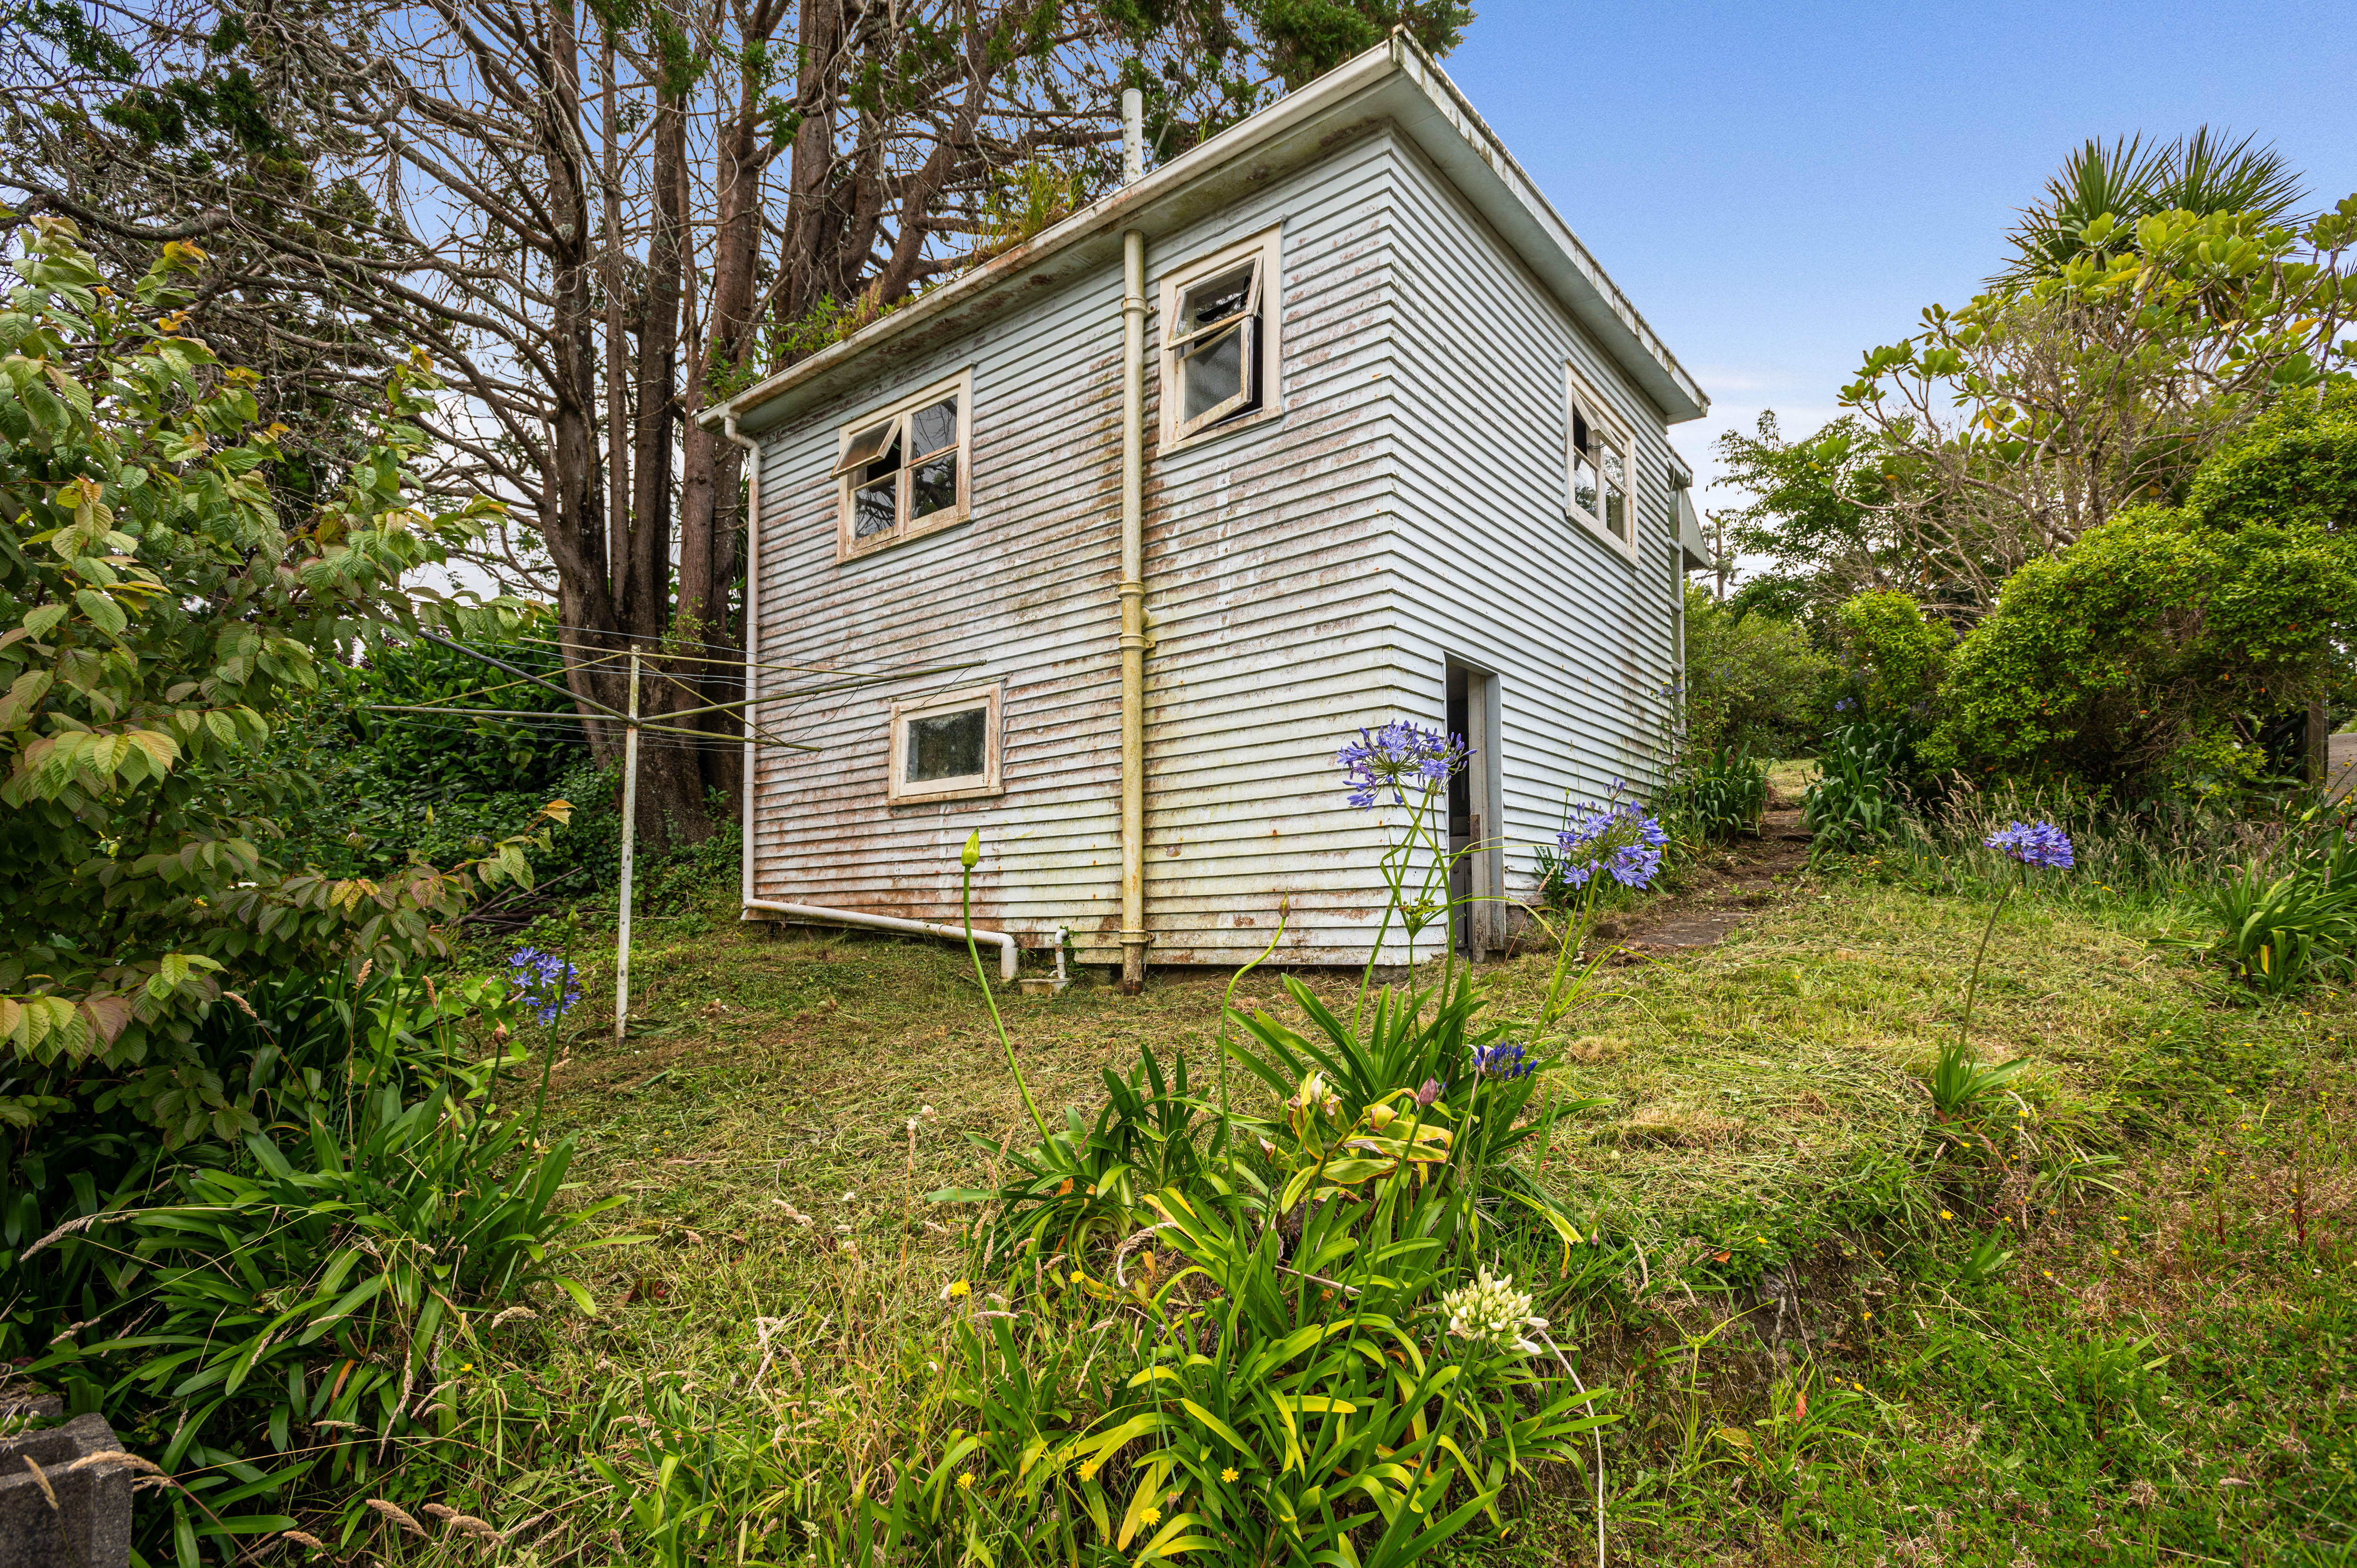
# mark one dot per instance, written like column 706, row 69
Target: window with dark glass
column 945, row 746
column 1599, row 472
column 1215, row 348
column 1219, row 338
column 902, row 471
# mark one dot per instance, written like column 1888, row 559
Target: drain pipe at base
column 1007, row 951
column 1134, row 643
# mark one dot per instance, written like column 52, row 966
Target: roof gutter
column 1104, row 215
column 1631, row 341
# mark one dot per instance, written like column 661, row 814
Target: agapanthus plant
column 1398, row 759
column 2041, row 844
column 1623, row 842
column 1503, row 1062
column 544, row 983
column 1491, row 1312
column 1958, row 1081
column 1413, row 766
column 1617, row 840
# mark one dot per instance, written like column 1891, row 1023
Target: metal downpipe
column 1134, row 938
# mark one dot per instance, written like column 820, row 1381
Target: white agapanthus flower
column 1491, row 1311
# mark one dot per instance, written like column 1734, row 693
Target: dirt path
column 1725, row 889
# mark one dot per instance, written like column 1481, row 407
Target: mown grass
column 1808, row 1366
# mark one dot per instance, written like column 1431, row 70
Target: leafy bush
column 156, row 618
column 1857, row 797
column 280, row 1323
column 390, row 783
column 1900, row 655
column 1081, row 1186
column 2287, row 920
column 1753, row 681
column 1718, row 795
column 2149, row 655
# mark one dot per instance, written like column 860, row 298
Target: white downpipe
column 752, row 623
column 1007, row 950
column 1134, row 935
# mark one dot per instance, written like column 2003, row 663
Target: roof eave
column 1472, row 155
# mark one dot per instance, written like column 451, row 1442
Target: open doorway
column 1477, row 881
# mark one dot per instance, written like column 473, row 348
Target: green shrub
column 1717, row 795
column 1753, row 681
column 2151, row 655
column 2287, row 919
column 157, row 619
column 1857, row 798
column 282, row 1314
column 1900, row 655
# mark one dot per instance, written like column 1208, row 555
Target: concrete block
column 53, row 1515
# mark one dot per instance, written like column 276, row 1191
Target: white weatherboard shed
column 1328, row 422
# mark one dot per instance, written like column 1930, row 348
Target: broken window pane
column 1214, row 332
column 1616, row 492
column 947, row 746
column 932, row 484
column 1218, row 299
column 933, row 429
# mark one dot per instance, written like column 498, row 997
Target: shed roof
column 1395, row 83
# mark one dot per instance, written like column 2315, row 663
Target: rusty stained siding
column 1269, row 587
column 1495, row 573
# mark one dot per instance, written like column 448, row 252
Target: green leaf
column 102, row 611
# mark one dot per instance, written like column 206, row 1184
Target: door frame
column 1484, row 711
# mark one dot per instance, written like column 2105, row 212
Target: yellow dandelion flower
column 1228, row 1474
column 965, row 1482
column 1151, row 1516
column 1946, row 1215
column 959, row 1288
column 1080, row 1276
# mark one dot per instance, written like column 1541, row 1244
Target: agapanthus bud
column 971, row 856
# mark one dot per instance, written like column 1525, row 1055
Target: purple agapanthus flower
column 1399, row 758
column 544, row 983
column 2041, row 844
column 1623, row 842
column 1503, row 1062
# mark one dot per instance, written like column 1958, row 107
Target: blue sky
column 1779, row 187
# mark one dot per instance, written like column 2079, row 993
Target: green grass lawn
column 2150, row 1361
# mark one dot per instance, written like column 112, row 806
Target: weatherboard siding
column 1306, row 574
column 1494, row 572
column 1269, row 569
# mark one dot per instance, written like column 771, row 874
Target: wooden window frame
column 848, row 545
column 1266, row 248
column 1581, row 400
column 991, row 781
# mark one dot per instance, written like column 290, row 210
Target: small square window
column 1598, row 465
column 1219, row 339
column 902, row 471
column 945, row 747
